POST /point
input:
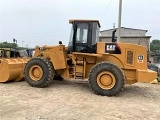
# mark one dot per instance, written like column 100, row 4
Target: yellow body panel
column 145, row 75
column 83, row 20
column 121, row 59
column 12, row 69
column 135, row 69
column 56, row 54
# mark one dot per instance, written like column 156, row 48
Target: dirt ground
column 74, row 100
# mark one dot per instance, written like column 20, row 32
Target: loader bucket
column 12, row 69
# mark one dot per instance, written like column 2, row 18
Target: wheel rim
column 106, row 80
column 35, row 72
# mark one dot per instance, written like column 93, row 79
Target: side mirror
column 60, row 42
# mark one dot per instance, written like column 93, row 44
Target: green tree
column 155, row 46
column 8, row 45
column 12, row 45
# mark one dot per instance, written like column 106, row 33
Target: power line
column 106, row 10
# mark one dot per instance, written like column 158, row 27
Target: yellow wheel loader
column 107, row 66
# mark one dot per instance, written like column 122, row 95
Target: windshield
column 82, row 32
column 79, row 32
column 83, row 37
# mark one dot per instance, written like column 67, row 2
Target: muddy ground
column 74, row 100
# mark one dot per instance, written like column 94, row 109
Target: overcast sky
column 45, row 22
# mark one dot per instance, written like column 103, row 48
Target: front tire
column 58, row 78
column 38, row 72
column 106, row 79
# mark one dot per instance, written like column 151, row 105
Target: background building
column 128, row 35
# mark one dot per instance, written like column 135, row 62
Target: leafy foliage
column 155, row 46
column 10, row 45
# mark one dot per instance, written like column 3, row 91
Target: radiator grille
column 130, row 57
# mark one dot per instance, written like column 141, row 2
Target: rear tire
column 38, row 72
column 106, row 79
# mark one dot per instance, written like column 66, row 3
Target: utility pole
column 14, row 48
column 119, row 21
column 22, row 44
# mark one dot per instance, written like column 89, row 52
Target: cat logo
column 110, row 47
column 140, row 58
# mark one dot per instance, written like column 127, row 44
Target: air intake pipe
column 113, row 36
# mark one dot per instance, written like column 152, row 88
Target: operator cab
column 84, row 36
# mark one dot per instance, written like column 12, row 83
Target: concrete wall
column 128, row 35
column 145, row 41
column 125, row 32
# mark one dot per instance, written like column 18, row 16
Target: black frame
column 89, row 47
